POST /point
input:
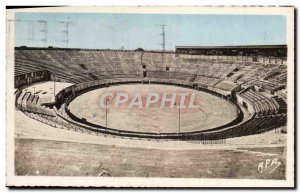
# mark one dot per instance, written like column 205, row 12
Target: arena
column 154, row 119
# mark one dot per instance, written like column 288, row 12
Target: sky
column 131, row 31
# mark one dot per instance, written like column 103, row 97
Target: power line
column 41, row 26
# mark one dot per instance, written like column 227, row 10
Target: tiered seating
column 27, row 101
column 179, row 76
column 203, row 67
column 205, row 80
column 82, row 66
column 263, row 70
column 280, row 79
column 168, row 75
column 260, row 124
column 37, row 60
column 22, row 66
column 225, row 85
column 281, row 104
column 261, row 104
column 125, row 76
column 66, row 65
column 62, row 58
column 158, row 74
column 270, row 77
column 193, row 65
column 282, row 94
column 155, row 61
column 273, row 86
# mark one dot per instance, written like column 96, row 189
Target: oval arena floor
column 212, row 112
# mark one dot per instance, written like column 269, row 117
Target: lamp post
column 54, row 88
column 106, row 111
column 179, row 120
column 178, row 106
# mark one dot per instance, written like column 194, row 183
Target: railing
column 66, row 96
column 238, row 127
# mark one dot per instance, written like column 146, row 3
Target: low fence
column 236, row 128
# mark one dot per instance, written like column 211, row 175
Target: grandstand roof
column 233, row 47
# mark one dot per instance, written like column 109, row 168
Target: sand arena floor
column 212, row 112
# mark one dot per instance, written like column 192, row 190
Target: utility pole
column 163, row 34
column 65, row 31
column 44, row 30
column 178, row 106
column 54, row 88
column 179, row 120
column 38, row 30
column 106, row 111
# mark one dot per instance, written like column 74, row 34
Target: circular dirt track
column 211, row 112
